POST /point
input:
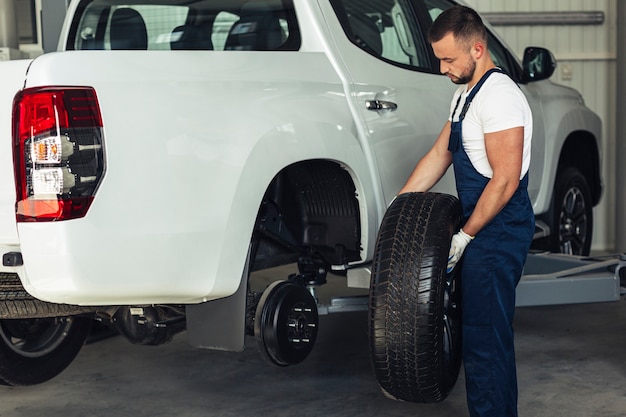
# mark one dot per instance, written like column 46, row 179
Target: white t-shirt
column 498, row 105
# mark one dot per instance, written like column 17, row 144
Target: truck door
column 403, row 101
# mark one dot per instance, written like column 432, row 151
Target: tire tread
column 406, row 298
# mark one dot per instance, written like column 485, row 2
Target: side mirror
column 539, row 63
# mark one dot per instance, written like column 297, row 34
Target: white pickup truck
column 171, row 147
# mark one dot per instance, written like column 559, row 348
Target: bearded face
column 456, row 60
column 466, row 74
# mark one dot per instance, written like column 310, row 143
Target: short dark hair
column 463, row 22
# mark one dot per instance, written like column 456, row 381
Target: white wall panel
column 586, row 56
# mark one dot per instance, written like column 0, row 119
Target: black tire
column 414, row 308
column 33, row 351
column 571, row 214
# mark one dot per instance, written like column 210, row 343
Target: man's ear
column 478, row 50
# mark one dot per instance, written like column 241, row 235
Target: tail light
column 58, row 152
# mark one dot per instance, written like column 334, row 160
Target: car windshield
column 222, row 25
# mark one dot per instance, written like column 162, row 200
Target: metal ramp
column 548, row 279
column 551, row 279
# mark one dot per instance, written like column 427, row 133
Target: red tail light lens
column 58, row 152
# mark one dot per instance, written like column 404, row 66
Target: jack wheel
column 286, row 323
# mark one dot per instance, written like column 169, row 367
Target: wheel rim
column 451, row 320
column 573, row 222
column 34, row 338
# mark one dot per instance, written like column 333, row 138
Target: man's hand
column 459, row 243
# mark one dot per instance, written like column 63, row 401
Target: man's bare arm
column 504, row 152
column 432, row 166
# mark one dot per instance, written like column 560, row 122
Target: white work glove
column 457, row 247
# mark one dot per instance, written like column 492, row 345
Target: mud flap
column 219, row 324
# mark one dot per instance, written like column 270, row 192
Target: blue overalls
column 492, row 266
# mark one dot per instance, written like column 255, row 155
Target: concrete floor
column 571, row 362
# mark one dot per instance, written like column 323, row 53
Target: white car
column 171, row 147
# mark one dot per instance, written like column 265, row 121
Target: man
column 487, row 139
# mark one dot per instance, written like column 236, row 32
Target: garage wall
column 586, row 56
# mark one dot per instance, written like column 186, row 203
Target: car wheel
column 33, row 351
column 414, row 308
column 572, row 215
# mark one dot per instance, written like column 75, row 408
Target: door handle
column 380, row 105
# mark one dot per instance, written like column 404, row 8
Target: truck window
column 499, row 54
column 260, row 25
column 386, row 29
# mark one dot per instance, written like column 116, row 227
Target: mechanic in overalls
column 487, row 139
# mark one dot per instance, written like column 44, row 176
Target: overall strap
column 455, row 136
column 474, row 91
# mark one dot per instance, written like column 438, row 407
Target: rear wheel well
column 581, row 151
column 309, row 208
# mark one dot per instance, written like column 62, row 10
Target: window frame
column 418, row 36
column 292, row 43
column 514, row 69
